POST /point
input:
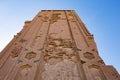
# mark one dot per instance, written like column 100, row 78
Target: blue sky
column 101, row 17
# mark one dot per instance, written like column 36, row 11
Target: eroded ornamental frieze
column 60, row 60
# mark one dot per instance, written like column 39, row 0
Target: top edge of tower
column 57, row 10
column 68, row 10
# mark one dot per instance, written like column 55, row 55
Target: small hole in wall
column 61, row 30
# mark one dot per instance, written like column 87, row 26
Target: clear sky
column 101, row 17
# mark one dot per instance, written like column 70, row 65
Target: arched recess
column 89, row 55
column 30, row 55
column 95, row 72
column 23, row 72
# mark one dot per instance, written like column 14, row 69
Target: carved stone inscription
column 60, row 60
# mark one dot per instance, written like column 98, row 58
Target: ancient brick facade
column 55, row 45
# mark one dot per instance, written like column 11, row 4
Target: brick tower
column 55, row 45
